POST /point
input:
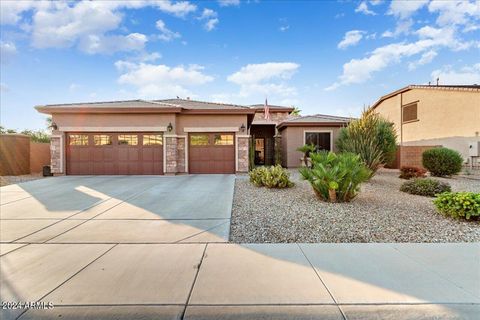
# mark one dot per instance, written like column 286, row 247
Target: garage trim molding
column 211, row 129
column 112, row 129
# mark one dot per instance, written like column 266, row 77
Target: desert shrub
column 271, row 177
column 459, row 204
column 425, row 187
column 442, row 161
column 372, row 137
column 335, row 177
column 409, row 172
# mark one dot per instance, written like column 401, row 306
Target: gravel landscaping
column 380, row 213
column 6, row 180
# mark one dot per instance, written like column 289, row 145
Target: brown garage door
column 211, row 153
column 114, row 153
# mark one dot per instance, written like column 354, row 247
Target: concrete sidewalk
column 252, row 281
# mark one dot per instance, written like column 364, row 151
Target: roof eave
column 51, row 110
column 283, row 125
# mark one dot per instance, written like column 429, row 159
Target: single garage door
column 114, row 153
column 211, row 153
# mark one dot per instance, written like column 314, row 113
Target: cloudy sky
column 329, row 57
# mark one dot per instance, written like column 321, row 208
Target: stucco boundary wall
column 18, row 155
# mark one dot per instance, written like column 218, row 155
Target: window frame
column 78, row 134
column 102, row 134
column 199, row 134
column 228, row 140
column 152, row 144
column 127, row 144
column 319, row 131
column 411, row 104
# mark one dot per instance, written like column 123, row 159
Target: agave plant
column 335, row 177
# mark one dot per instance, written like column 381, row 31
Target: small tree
column 296, row 111
column 372, row 137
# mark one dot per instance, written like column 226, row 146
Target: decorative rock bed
column 381, row 213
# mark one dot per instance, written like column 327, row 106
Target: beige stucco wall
column 294, row 137
column 275, row 116
column 447, row 117
column 210, row 121
column 68, row 120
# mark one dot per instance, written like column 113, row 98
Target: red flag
column 267, row 110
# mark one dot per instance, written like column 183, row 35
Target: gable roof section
column 146, row 106
column 260, row 107
column 470, row 88
column 316, row 120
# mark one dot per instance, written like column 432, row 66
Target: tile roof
column 318, row 118
column 194, row 104
column 474, row 87
column 113, row 104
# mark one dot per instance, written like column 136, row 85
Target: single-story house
column 433, row 115
column 176, row 136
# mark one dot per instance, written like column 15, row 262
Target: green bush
column 459, row 204
column 335, row 177
column 372, row 137
column 425, row 187
column 409, row 172
column 271, row 177
column 442, row 161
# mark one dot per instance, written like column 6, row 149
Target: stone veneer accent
column 170, row 154
column 242, row 153
column 181, row 155
column 56, row 154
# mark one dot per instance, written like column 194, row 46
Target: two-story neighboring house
column 428, row 115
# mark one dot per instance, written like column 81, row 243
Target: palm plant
column 306, row 149
column 335, row 177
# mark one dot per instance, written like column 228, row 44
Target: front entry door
column 259, row 151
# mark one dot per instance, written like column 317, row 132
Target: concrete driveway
column 153, row 248
column 118, row 209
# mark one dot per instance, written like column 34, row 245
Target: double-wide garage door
column 114, row 153
column 211, row 153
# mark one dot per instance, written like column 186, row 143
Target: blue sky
column 330, row 57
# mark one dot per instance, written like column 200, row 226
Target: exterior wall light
column 54, row 126
column 242, row 128
column 170, row 127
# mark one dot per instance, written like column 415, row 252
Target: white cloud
column 403, row 27
column 426, row 58
column 63, row 24
column 284, row 28
column 74, row 87
column 226, row 3
column 351, row 38
column 265, row 78
column 211, row 19
column 405, row 9
column 166, row 34
column 361, row 70
column 363, row 8
column 467, row 75
column 7, row 51
column 93, row 44
column 455, row 12
column 158, row 80
column 376, row 2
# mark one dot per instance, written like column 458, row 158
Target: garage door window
column 152, row 139
column 78, row 139
column 199, row 140
column 223, row 139
column 128, row 139
column 102, row 140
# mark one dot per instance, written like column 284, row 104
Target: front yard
column 380, row 213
